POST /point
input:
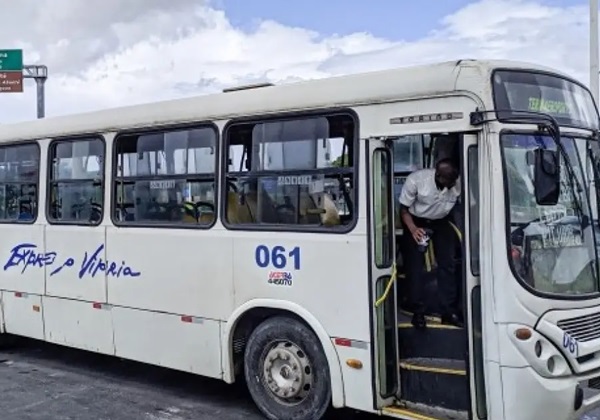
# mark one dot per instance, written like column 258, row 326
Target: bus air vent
column 582, row 328
column 594, row 382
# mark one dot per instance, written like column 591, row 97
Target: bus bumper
column 527, row 395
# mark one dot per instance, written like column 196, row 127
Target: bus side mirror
column 546, row 177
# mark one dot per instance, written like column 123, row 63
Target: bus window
column 166, row 177
column 550, row 247
column 76, row 181
column 382, row 209
column 19, row 177
column 473, row 168
column 293, row 172
column 409, row 156
column 408, row 153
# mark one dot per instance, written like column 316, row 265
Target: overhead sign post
column 39, row 73
column 11, row 71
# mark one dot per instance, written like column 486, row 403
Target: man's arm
column 407, row 218
column 407, row 198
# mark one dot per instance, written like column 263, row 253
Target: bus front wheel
column 286, row 370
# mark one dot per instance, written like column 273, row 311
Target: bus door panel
column 472, row 286
column 487, row 333
column 382, row 256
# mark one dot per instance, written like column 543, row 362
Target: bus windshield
column 552, row 248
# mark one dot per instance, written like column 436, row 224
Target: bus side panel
column 324, row 273
column 185, row 272
column 357, row 382
column 23, row 314
column 22, row 258
column 191, row 345
column 78, row 324
column 2, row 323
column 77, row 270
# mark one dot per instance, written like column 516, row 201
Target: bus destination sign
column 565, row 100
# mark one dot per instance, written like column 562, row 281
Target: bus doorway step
column 435, row 382
column 411, row 411
column 438, row 341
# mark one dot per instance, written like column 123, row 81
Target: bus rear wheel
column 286, row 371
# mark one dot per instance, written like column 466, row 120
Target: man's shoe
column 452, row 319
column 418, row 321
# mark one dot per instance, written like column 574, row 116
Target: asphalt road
column 44, row 382
column 39, row 381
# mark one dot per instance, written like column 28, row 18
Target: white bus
column 254, row 235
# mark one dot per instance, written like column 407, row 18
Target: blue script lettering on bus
column 91, row 264
column 26, row 255
column 94, row 264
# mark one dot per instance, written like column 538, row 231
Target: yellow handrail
column 388, row 287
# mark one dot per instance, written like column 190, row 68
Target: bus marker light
column 191, row 319
column 347, row 342
column 523, row 334
column 344, row 342
column 354, row 363
column 36, row 308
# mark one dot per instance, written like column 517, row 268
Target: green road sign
column 11, row 60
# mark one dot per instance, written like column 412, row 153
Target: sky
column 111, row 53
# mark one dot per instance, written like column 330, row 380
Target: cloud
column 118, row 53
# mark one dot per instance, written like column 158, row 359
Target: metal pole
column 41, row 99
column 594, row 47
column 40, row 74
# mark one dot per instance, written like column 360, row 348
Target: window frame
column 49, row 181
column 258, row 119
column 38, row 181
column 162, row 129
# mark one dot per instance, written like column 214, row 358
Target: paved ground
column 44, row 382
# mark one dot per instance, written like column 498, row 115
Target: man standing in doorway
column 427, row 199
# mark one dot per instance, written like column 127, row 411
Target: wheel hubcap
column 288, row 372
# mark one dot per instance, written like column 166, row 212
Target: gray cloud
column 131, row 51
column 70, row 35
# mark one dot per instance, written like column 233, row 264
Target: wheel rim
column 288, row 373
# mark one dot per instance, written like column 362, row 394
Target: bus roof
column 339, row 91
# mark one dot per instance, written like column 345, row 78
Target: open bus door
column 382, row 272
column 471, row 272
column 437, row 372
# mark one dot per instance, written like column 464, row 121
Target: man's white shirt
column 421, row 195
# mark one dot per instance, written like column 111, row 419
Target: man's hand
column 418, row 234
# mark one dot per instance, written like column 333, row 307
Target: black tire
column 282, row 337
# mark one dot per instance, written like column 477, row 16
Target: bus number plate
column 570, row 344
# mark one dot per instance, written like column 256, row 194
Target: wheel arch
column 249, row 315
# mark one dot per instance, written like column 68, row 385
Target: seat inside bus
column 312, row 208
column 166, row 176
column 262, row 155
